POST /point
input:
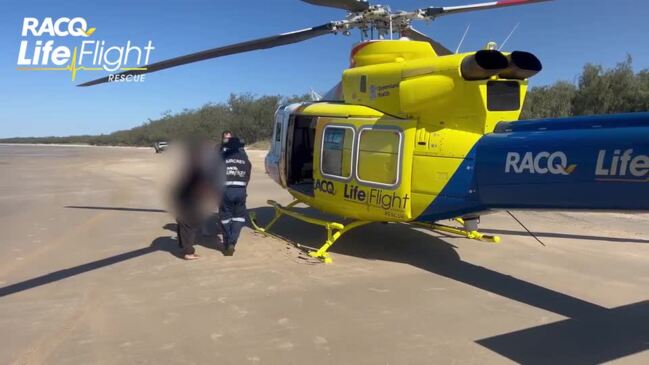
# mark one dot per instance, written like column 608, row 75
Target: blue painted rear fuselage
column 582, row 163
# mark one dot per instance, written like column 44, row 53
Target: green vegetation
column 248, row 116
column 598, row 91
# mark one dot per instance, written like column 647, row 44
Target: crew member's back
column 233, row 205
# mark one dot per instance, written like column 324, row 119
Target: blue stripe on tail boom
column 590, row 163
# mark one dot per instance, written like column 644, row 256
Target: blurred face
column 226, row 137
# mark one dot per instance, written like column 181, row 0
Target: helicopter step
column 334, row 229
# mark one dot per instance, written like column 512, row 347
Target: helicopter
column 414, row 133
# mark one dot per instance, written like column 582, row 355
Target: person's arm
column 248, row 170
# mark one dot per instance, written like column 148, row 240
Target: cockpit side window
column 278, row 131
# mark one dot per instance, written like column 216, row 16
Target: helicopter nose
column 522, row 65
column 483, row 65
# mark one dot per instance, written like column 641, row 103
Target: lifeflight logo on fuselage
column 542, row 163
column 90, row 55
column 375, row 197
column 622, row 166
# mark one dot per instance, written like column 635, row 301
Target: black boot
column 229, row 250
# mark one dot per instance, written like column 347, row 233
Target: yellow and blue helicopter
column 415, row 133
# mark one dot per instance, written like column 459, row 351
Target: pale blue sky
column 565, row 34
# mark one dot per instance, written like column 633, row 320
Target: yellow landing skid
column 334, row 229
column 474, row 235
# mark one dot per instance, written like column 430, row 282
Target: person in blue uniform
column 219, row 149
column 233, row 204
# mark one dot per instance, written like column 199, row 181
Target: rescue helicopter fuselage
column 412, row 136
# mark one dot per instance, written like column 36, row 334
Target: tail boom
column 582, row 163
column 592, row 163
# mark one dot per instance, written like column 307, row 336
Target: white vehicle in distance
column 160, row 146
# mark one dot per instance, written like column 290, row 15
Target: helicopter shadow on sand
column 590, row 334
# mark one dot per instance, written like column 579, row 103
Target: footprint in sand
column 283, row 322
column 286, row 346
column 321, row 343
column 171, row 317
column 241, row 312
column 168, row 346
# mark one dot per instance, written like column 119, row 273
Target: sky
column 564, row 34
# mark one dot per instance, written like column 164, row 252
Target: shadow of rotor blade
column 565, row 235
column 519, row 290
column 160, row 244
column 614, row 334
column 118, row 208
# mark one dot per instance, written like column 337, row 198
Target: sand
column 89, row 273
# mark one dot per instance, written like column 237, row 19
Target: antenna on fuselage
column 314, row 95
column 466, row 31
column 509, row 36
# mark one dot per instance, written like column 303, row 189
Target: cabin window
column 336, row 157
column 379, row 156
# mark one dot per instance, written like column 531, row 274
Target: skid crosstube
column 334, row 230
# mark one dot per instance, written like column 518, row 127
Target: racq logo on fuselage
column 542, row 163
column 622, row 166
column 324, row 186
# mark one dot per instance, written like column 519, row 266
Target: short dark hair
column 226, row 132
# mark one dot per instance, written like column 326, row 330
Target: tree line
column 598, row 91
column 248, row 116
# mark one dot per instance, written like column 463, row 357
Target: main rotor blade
column 416, row 35
column 252, row 45
column 354, row 6
column 433, row 12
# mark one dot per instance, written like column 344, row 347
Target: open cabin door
column 362, row 167
column 275, row 162
column 300, row 153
